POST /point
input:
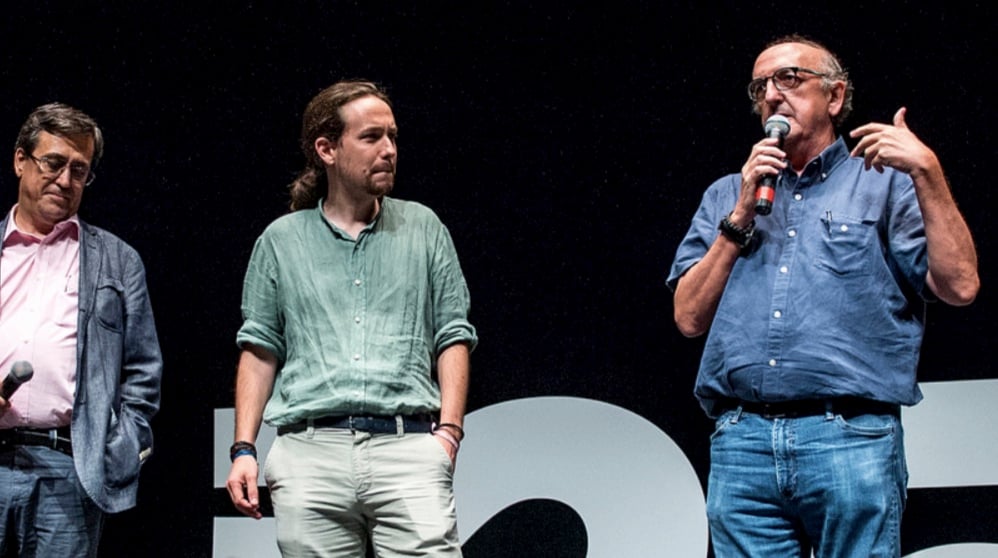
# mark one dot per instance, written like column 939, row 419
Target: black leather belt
column 374, row 424
column 845, row 406
column 55, row 438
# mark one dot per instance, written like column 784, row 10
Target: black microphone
column 776, row 127
column 19, row 373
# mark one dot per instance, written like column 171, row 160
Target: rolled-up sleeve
column 262, row 319
column 451, row 299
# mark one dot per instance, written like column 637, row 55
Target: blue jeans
column 44, row 510
column 786, row 486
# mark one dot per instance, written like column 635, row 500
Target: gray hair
column 830, row 65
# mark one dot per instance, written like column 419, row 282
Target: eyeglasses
column 53, row 167
column 784, row 79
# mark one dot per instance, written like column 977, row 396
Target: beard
column 380, row 184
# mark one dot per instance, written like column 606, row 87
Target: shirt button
column 356, row 357
column 777, row 314
column 356, row 282
column 783, row 269
column 791, row 233
column 356, row 319
column 844, row 228
column 798, row 196
column 772, row 362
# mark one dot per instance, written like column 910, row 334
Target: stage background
column 566, row 148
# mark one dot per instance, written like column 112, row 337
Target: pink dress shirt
column 39, row 304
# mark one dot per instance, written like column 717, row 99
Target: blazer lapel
column 90, row 258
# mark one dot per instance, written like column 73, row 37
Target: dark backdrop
column 565, row 147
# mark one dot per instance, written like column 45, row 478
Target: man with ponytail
column 355, row 345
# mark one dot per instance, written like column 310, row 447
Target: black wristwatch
column 741, row 236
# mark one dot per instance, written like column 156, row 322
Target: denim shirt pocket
column 846, row 242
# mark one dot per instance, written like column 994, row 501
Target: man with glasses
column 815, row 314
column 74, row 314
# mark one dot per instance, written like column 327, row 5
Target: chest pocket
column 66, row 303
column 109, row 306
column 846, row 243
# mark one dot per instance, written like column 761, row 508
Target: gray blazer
column 118, row 370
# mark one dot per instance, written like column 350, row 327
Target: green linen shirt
column 355, row 324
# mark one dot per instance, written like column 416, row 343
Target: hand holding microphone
column 777, row 127
column 20, row 372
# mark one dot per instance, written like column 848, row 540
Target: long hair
column 60, row 120
column 322, row 118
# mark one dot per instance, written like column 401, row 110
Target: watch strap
column 741, row 236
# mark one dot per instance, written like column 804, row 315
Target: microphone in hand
column 20, row 372
column 778, row 127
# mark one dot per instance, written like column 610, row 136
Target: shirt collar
column 831, row 156
column 368, row 228
column 67, row 227
column 820, row 167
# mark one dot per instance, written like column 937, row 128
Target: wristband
column 241, row 453
column 240, row 449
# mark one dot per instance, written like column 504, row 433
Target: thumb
column 252, row 493
column 899, row 118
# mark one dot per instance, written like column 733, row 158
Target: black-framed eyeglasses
column 783, row 79
column 53, row 167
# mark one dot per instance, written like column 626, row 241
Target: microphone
column 776, row 127
column 20, row 372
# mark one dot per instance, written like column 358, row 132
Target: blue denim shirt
column 355, row 324
column 827, row 299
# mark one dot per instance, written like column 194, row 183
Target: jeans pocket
column 868, row 425
column 723, row 422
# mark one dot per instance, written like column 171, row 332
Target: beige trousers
column 334, row 489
